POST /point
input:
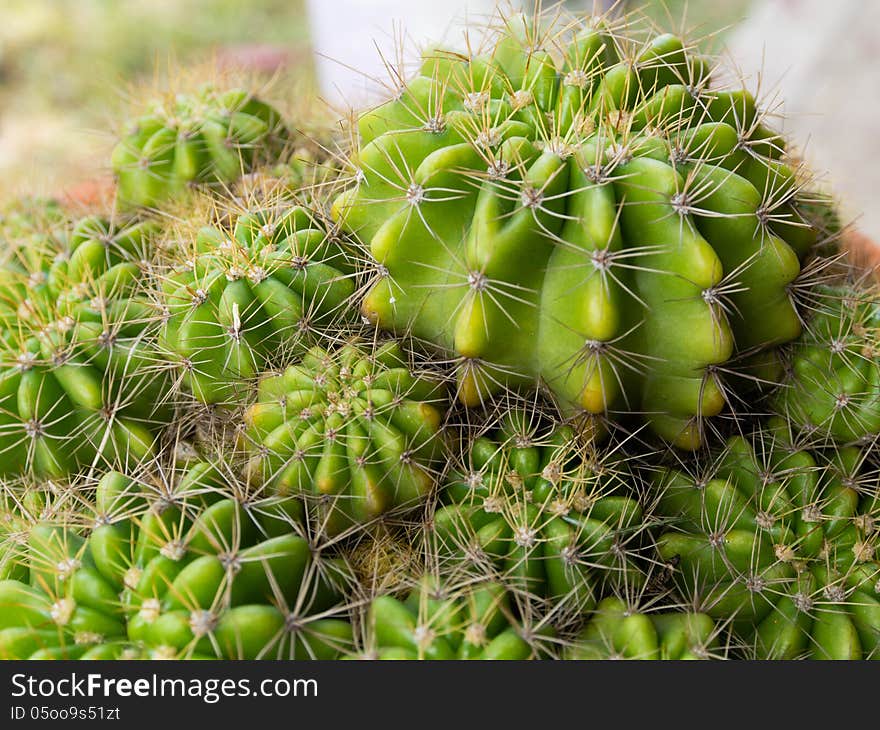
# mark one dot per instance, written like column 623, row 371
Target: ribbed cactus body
column 211, row 136
column 833, row 385
column 190, row 574
column 545, row 512
column 351, row 430
column 79, row 382
column 619, row 631
column 781, row 541
column 583, row 210
column 234, row 298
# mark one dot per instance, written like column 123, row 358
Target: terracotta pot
column 863, row 251
column 95, row 193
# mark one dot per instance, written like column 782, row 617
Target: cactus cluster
column 458, row 396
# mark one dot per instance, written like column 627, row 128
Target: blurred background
column 69, row 70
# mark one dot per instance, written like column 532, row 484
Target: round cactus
column 185, row 569
column 580, row 207
column 439, row 621
column 781, row 541
column 833, row 386
column 206, row 137
column 31, row 217
column 234, row 297
column 554, row 519
column 618, row 631
column 353, row 431
column 78, row 379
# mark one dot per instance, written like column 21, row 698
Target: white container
column 818, row 63
column 360, row 44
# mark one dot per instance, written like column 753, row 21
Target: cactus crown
column 354, row 431
column 596, row 215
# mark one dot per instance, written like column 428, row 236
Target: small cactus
column 211, row 136
column 833, row 386
column 79, row 383
column 185, row 569
column 236, row 296
column 556, row 520
column 352, row 430
column 780, row 540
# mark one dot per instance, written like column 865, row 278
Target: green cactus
column 25, row 502
column 833, row 386
column 185, row 569
column 235, row 297
column 210, row 136
column 618, row 631
column 600, row 220
column 780, row 540
column 79, row 382
column 353, row 431
column 556, row 520
column 440, row 621
column 31, row 217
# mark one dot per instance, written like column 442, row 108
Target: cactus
column 185, row 569
column 601, row 220
column 205, row 455
column 210, row 136
column 25, row 502
column 780, row 540
column 352, row 430
column 33, row 218
column 442, row 619
column 236, row 296
column 833, row 386
column 556, row 520
column 619, row 631
column 79, row 383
